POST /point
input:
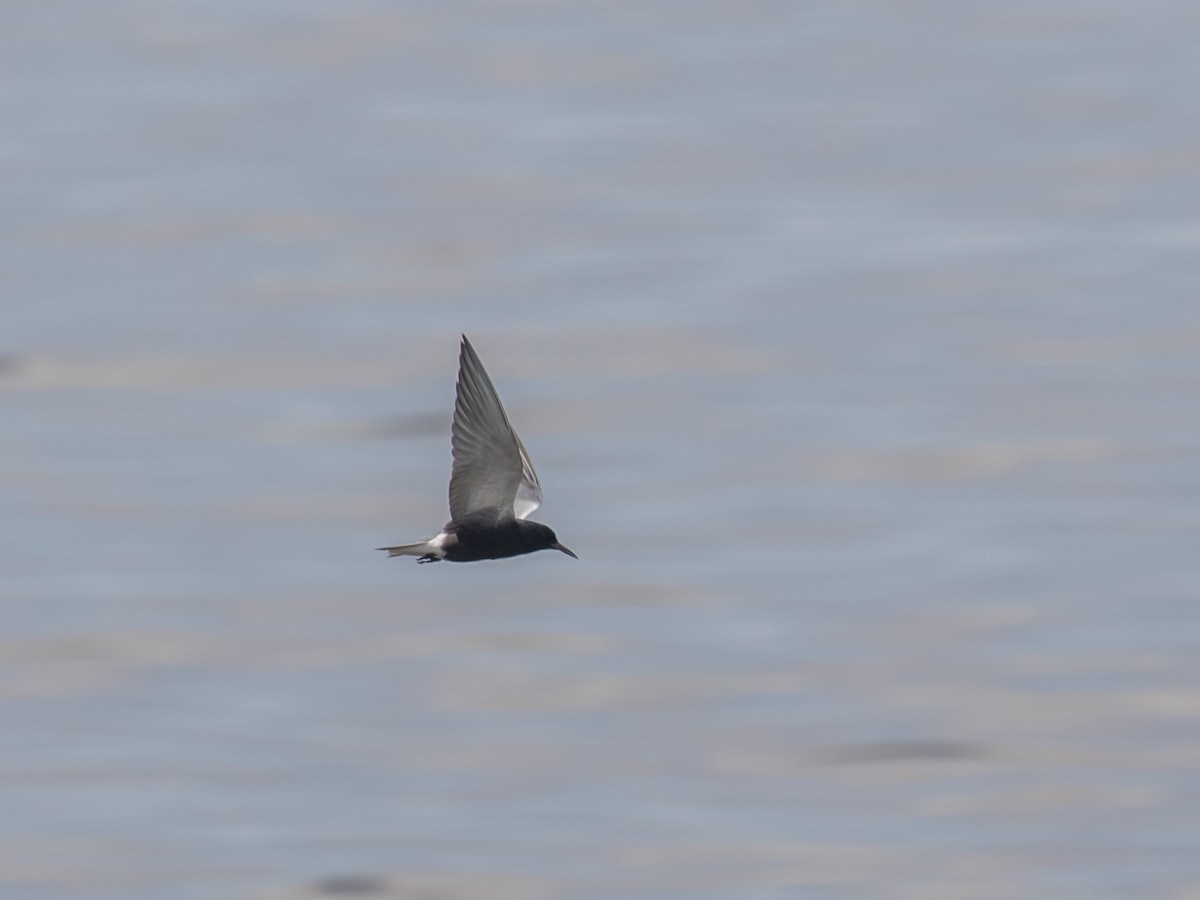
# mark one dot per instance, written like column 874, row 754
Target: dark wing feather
column 491, row 467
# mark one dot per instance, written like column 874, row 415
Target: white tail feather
column 418, row 549
column 433, row 547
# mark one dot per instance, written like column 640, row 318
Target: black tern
column 493, row 486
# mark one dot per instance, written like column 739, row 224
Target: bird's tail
column 420, row 548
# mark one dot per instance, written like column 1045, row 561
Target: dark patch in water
column 412, row 425
column 352, row 885
column 900, row 751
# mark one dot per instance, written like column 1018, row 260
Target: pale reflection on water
column 858, row 353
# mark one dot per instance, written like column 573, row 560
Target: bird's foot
column 428, row 557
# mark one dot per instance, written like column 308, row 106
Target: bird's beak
column 557, row 546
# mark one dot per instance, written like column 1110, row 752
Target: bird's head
column 542, row 537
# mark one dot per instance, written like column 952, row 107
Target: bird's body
column 486, row 534
column 493, row 485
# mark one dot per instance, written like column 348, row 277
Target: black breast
column 486, row 535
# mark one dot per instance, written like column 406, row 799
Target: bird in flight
column 493, row 486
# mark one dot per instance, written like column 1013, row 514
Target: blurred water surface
column 858, row 348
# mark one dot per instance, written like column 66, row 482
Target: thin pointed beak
column 564, row 550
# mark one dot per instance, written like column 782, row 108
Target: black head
column 542, row 537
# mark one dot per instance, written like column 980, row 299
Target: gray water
column 858, row 348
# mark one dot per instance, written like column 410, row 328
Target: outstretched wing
column 491, row 467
